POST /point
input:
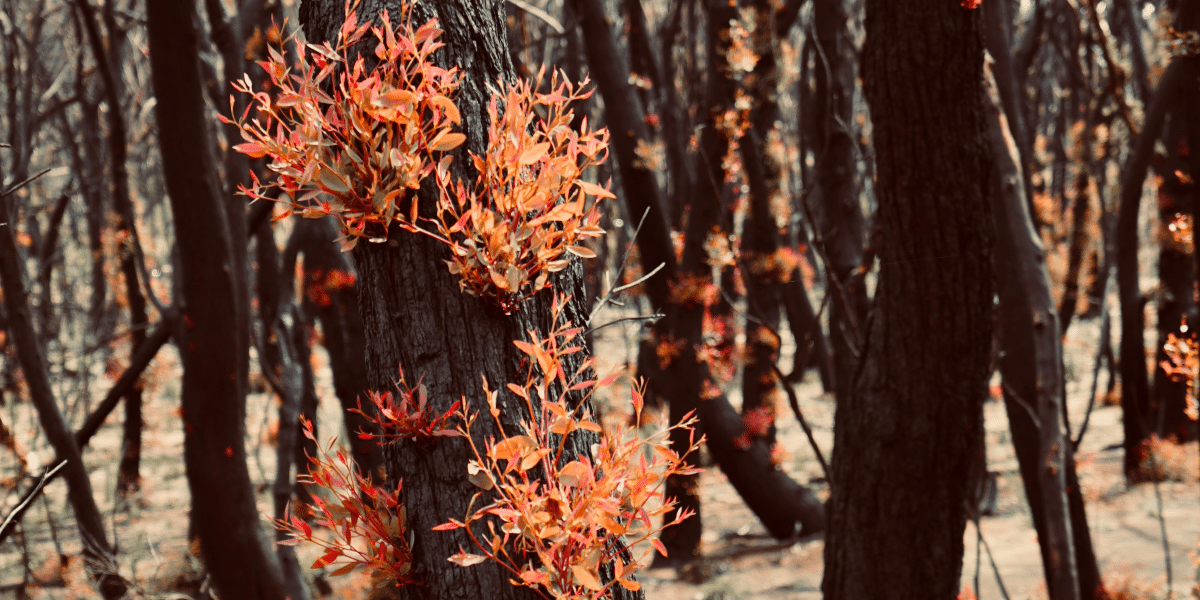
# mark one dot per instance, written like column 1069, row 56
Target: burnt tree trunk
column 1031, row 367
column 1176, row 307
column 1135, row 386
column 415, row 315
column 913, row 422
column 1189, row 20
column 224, row 516
column 98, row 554
column 626, row 119
column 843, row 223
column 760, row 239
column 330, row 287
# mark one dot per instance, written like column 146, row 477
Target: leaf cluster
column 365, row 524
column 406, row 415
column 357, row 143
column 351, row 142
column 552, row 522
column 528, row 208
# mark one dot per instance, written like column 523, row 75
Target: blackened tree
column 224, row 516
column 913, row 421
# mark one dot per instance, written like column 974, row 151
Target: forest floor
column 740, row 561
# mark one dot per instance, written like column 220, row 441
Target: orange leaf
column 581, row 251
column 252, row 149
column 463, row 559
column 573, row 474
column 344, row 569
column 534, row 153
column 509, row 448
column 587, row 578
column 445, row 142
column 594, row 190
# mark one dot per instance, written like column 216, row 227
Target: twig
column 624, row 263
column 640, row 280
column 795, row 402
column 15, row 514
column 540, row 14
column 810, row 337
column 18, row 186
column 1021, row 401
column 802, row 350
column 651, row 318
column 992, row 559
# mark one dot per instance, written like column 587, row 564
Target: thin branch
column 624, row 263
column 540, row 14
column 18, row 186
column 651, row 318
column 14, row 516
column 1033, row 415
column 992, row 559
column 640, row 280
column 802, row 349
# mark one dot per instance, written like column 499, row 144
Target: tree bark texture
column 1031, row 351
column 414, row 315
column 905, row 437
column 224, row 516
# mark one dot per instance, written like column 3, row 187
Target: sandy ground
column 741, row 561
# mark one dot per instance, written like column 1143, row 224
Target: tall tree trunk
column 224, row 516
column 760, row 234
column 626, row 119
column 96, row 550
column 998, row 21
column 1135, row 386
column 110, row 60
column 843, row 222
column 1031, row 367
column 331, row 289
column 913, row 422
column 1176, row 274
column 281, row 361
column 415, row 315
column 1189, row 20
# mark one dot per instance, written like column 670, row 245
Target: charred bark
column 97, row 552
column 224, row 516
column 843, row 224
column 913, row 420
column 415, row 315
column 1031, row 367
